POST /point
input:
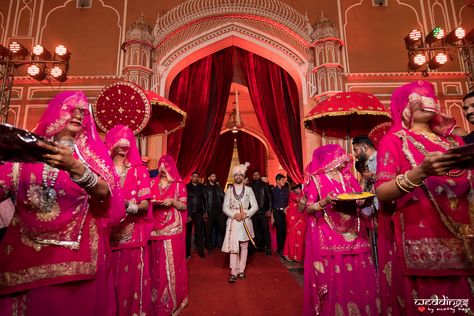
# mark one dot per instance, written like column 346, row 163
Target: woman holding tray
column 169, row 272
column 426, row 223
column 339, row 272
column 55, row 256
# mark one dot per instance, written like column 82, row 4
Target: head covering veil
column 88, row 145
column 121, row 135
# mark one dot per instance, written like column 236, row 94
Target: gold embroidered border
column 143, row 192
column 170, row 270
column 454, row 227
column 433, row 253
column 55, row 239
column 174, row 228
column 51, row 271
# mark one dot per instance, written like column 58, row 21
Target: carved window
column 377, row 3
column 83, row 4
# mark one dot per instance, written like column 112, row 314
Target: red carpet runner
column 270, row 289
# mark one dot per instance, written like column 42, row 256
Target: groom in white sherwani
column 239, row 205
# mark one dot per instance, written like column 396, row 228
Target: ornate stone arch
column 269, row 28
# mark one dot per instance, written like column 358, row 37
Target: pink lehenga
column 55, row 256
column 339, row 273
column 169, row 272
column 295, row 230
column 426, row 245
column 130, row 260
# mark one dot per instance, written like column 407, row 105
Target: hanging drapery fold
column 222, row 157
column 274, row 96
column 202, row 91
column 252, row 150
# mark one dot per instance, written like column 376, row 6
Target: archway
column 202, row 89
column 272, row 29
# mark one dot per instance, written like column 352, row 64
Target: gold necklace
column 453, row 173
column 123, row 173
column 434, row 138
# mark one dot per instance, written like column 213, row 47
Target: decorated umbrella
column 122, row 103
column 378, row 132
column 145, row 112
column 346, row 114
column 166, row 117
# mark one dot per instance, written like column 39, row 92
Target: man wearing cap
column 239, row 206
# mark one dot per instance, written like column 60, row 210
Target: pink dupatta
column 432, row 223
column 133, row 230
column 64, row 242
column 168, row 221
column 337, row 260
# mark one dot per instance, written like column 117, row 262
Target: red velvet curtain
column 252, row 150
column 274, row 96
column 222, row 157
column 202, row 90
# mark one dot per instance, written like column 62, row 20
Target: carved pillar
column 328, row 70
column 138, row 53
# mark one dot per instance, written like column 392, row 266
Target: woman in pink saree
column 295, row 226
column 55, row 256
column 130, row 262
column 339, row 273
column 426, row 229
column 169, row 272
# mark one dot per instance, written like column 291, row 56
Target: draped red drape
column 274, row 96
column 252, row 150
column 222, row 157
column 202, row 90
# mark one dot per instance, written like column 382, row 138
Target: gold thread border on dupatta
column 170, row 270
column 452, row 226
column 32, row 274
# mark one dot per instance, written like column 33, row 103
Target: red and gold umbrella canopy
column 378, row 132
column 346, row 114
column 145, row 112
column 166, row 116
column 122, row 103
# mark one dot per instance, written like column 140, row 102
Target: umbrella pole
column 139, row 140
column 349, row 134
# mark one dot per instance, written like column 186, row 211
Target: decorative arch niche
column 197, row 28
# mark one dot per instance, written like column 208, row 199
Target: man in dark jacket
column 215, row 217
column 280, row 195
column 260, row 218
column 196, row 214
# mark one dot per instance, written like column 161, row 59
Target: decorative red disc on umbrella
column 166, row 117
column 378, row 132
column 346, row 114
column 122, row 103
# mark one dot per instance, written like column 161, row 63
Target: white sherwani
column 235, row 230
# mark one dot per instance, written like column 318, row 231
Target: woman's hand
column 329, row 199
column 435, row 164
column 60, row 157
column 168, row 202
